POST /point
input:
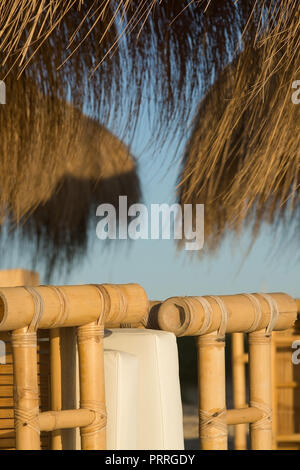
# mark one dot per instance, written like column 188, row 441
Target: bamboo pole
column 127, row 303
column 26, row 395
column 203, row 317
column 150, row 320
column 56, row 385
column 211, row 388
column 260, row 389
column 243, row 415
column 65, row 419
column 239, row 387
column 63, row 382
column 92, row 392
column 69, row 365
column 12, row 278
column 274, row 392
column 186, row 316
column 52, row 307
column 289, row 437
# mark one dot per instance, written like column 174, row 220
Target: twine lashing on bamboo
column 207, row 315
column 224, row 317
column 63, row 311
column 92, row 332
column 265, row 423
column 274, row 313
column 38, row 308
column 210, row 421
column 100, row 419
column 24, row 417
column 102, row 308
column 257, row 312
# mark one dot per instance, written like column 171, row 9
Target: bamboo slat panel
column 18, row 277
column 286, row 390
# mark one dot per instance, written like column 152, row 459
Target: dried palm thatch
column 175, row 48
column 243, row 158
column 57, row 165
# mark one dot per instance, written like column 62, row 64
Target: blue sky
column 157, row 264
column 164, row 271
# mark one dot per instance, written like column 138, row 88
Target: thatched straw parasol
column 57, row 165
column 172, row 48
column 243, row 157
column 110, row 55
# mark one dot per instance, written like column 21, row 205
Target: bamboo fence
column 209, row 318
column 285, row 388
column 25, row 310
column 88, row 308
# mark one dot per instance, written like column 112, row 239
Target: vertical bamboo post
column 91, row 377
column 211, row 387
column 56, row 386
column 274, row 391
column 69, row 363
column 260, row 389
column 239, row 387
column 26, row 394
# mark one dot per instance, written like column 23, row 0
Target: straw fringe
column 135, row 47
column 56, row 167
column 243, row 158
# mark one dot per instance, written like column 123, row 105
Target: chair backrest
column 27, row 310
column 209, row 318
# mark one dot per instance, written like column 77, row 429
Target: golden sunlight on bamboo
column 209, row 318
column 68, row 305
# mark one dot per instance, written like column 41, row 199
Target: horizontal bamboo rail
column 243, row 415
column 65, row 306
column 186, row 316
column 65, row 419
column 288, row 385
column 209, row 318
column 288, row 437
